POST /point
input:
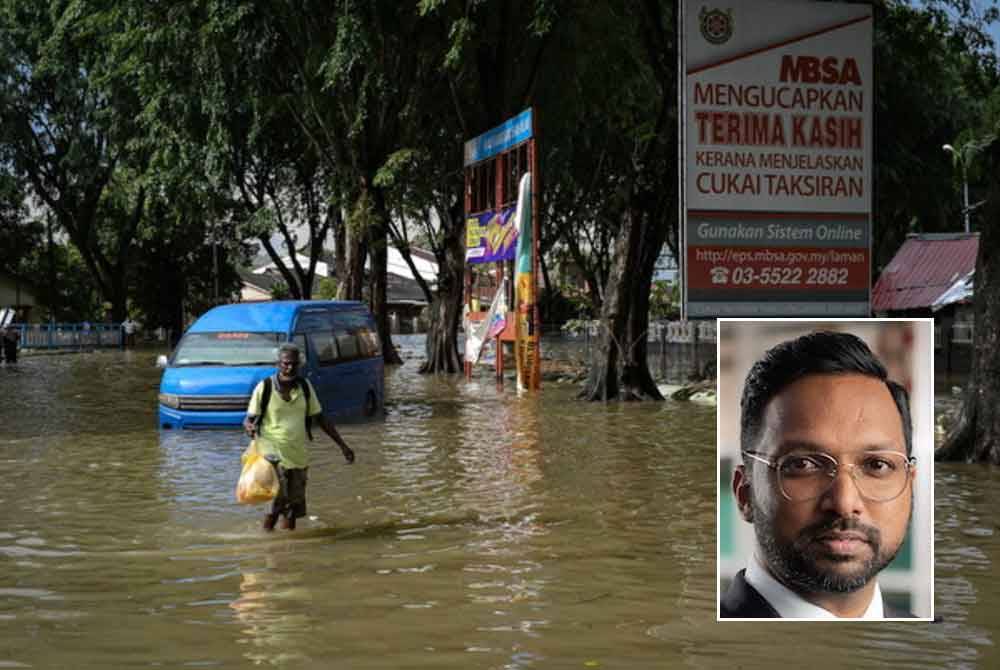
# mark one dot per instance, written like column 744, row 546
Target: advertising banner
column 529, row 371
column 478, row 334
column 777, row 155
column 491, row 237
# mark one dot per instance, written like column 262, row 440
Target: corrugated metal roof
column 923, row 269
column 961, row 291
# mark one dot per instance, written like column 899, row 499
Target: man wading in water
column 281, row 411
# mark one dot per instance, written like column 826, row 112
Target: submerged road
column 475, row 530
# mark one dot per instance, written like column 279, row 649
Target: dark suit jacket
column 743, row 601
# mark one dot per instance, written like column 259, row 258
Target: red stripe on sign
column 783, row 268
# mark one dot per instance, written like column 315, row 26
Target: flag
column 526, row 340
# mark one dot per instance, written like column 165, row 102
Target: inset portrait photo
column 825, row 469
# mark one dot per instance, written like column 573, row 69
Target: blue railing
column 68, row 335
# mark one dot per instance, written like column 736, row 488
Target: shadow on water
column 476, row 529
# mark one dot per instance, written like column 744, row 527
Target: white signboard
column 777, row 155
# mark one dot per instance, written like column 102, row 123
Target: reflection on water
column 476, row 530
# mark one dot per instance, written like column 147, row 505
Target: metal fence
column 677, row 351
column 69, row 335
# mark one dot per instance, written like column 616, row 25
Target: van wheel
column 371, row 404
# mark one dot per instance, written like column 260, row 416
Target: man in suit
column 826, row 480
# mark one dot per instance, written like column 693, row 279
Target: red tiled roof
column 923, row 269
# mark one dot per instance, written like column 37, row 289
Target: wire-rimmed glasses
column 880, row 475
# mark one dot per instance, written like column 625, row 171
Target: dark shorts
column 292, row 496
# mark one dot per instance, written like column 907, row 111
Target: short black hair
column 820, row 352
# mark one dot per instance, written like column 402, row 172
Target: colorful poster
column 526, row 342
column 777, row 149
column 491, row 237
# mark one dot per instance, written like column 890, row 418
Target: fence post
column 694, row 343
column 663, row 350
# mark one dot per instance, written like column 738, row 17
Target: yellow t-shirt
column 283, row 430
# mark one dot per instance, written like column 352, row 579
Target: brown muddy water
column 475, row 530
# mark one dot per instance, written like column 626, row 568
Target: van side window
column 356, row 335
column 369, row 342
column 347, row 343
column 325, row 346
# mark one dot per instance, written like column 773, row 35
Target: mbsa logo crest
column 716, row 25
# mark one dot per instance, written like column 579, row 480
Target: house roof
column 424, row 261
column 924, row 269
column 399, row 289
column 322, row 268
column 264, row 281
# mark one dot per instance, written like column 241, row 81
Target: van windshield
column 228, row 348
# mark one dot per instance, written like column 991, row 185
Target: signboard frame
column 507, row 151
column 788, row 230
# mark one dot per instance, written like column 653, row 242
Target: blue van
column 208, row 379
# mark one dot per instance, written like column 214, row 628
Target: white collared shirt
column 791, row 605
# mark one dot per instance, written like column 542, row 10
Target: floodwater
column 476, row 530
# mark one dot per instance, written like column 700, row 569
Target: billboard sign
column 491, row 237
column 511, row 132
column 777, row 153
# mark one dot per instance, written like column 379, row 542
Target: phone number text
column 781, row 276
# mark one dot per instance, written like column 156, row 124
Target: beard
column 797, row 564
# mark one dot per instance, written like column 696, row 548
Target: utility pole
column 962, row 158
column 965, row 198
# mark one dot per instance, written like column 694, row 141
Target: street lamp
column 962, row 158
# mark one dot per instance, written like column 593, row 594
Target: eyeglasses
column 880, row 476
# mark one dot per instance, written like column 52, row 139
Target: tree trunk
column 602, row 382
column 352, row 280
column 173, row 315
column 294, row 290
column 976, row 436
column 119, row 296
column 446, row 310
column 625, row 312
column 340, row 251
column 379, row 250
column 442, row 338
column 637, row 381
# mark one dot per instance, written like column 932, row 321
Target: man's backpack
column 265, row 398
